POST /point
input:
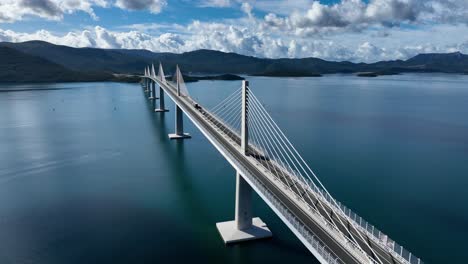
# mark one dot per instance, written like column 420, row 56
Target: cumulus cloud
column 43, row 7
column 14, row 10
column 349, row 30
column 247, row 9
column 223, row 37
column 349, row 15
column 248, row 40
column 214, row 3
column 281, row 7
column 155, row 6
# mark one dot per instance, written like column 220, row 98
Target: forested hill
column 62, row 63
column 16, row 66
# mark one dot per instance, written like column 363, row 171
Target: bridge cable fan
column 276, row 153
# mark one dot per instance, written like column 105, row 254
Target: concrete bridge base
column 244, row 227
column 231, row 234
column 179, row 136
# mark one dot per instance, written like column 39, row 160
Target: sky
column 354, row 30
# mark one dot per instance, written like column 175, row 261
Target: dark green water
column 88, row 175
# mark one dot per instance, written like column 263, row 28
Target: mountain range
column 38, row 61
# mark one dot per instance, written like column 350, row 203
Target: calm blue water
column 88, row 175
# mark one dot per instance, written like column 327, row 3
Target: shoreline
column 232, row 77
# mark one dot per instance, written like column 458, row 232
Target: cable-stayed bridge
column 241, row 129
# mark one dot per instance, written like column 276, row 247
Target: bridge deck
column 316, row 219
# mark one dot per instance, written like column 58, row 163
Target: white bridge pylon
column 242, row 130
column 179, row 120
column 244, row 227
column 150, row 87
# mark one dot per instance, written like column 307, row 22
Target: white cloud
column 17, row 10
column 155, row 6
column 280, row 6
column 44, row 8
column 245, row 38
column 357, row 15
column 214, row 3
column 14, row 10
column 153, row 28
column 350, row 30
column 247, row 9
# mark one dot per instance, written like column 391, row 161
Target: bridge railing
column 312, row 239
column 372, row 232
column 331, row 228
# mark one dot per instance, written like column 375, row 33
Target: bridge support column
column 152, row 90
column 146, row 85
column 155, row 96
column 179, row 125
column 162, row 107
column 244, row 227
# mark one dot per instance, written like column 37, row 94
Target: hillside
column 16, row 66
column 450, row 62
column 103, row 62
column 82, row 59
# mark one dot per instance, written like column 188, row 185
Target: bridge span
column 266, row 162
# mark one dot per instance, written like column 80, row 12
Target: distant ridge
column 78, row 64
column 16, row 66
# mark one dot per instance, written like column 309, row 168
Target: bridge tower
column 162, row 107
column 179, row 121
column 162, row 78
column 244, row 227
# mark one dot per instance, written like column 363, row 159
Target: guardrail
column 312, row 239
column 373, row 233
column 331, row 229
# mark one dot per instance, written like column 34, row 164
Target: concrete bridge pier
column 155, row 95
column 162, row 107
column 179, row 125
column 154, row 101
column 152, row 89
column 146, row 85
column 244, row 227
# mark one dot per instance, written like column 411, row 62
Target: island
column 288, row 74
column 377, row 74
